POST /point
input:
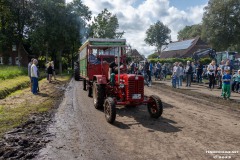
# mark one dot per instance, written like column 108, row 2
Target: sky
column 136, row 16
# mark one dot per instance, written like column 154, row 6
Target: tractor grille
column 135, row 87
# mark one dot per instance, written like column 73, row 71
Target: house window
column 1, row 60
column 16, row 61
column 10, row 61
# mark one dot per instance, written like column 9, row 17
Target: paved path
column 202, row 88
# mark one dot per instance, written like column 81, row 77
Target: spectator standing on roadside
column 50, row 72
column 236, row 82
column 54, row 73
column 176, row 74
column 220, row 74
column 164, row 69
column 211, row 74
column 188, row 71
column 34, row 76
column 174, row 78
column 193, row 71
column 228, row 64
column 158, row 71
column 181, row 71
column 226, row 88
column 147, row 71
column 29, row 71
column 199, row 69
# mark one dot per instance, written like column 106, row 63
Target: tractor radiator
column 135, row 87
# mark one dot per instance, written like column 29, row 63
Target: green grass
column 13, row 117
column 9, row 72
column 11, row 85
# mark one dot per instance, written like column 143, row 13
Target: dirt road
column 190, row 128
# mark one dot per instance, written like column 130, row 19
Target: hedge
column 203, row 61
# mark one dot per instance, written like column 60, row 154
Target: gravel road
column 190, row 128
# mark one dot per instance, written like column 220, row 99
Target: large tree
column 221, row 23
column 158, row 35
column 58, row 30
column 190, row 32
column 105, row 25
column 50, row 27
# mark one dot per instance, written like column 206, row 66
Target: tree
column 152, row 56
column 105, row 25
column 158, row 35
column 190, row 32
column 59, row 29
column 221, row 24
column 50, row 27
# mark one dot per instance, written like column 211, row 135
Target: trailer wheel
column 110, row 110
column 76, row 75
column 155, row 107
column 98, row 95
column 89, row 91
column 84, row 84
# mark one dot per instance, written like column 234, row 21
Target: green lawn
column 9, row 72
column 14, row 78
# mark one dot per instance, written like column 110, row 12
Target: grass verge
column 20, row 105
column 11, row 85
column 8, row 72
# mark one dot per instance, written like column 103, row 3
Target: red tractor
column 113, row 86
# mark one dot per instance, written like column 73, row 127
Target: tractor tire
column 98, row 95
column 89, row 91
column 110, row 110
column 84, row 84
column 76, row 74
column 155, row 107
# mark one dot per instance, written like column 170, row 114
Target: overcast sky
column 135, row 17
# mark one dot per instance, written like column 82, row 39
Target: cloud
column 136, row 19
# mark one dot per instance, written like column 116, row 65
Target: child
column 226, row 87
column 174, row 77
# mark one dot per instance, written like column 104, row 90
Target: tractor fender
column 100, row 79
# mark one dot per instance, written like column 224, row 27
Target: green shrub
column 183, row 60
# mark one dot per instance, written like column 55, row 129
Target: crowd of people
column 221, row 75
column 33, row 73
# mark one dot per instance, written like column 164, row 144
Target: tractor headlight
column 136, row 78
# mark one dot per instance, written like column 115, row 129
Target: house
column 10, row 56
column 135, row 55
column 183, row 49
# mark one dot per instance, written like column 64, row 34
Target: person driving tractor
column 114, row 66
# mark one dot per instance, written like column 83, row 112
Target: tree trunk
column 60, row 62
column 19, row 53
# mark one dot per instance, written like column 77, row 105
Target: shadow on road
column 142, row 117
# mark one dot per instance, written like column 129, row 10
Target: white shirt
column 211, row 69
column 34, row 71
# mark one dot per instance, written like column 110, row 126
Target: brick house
column 135, row 55
column 183, row 49
column 12, row 56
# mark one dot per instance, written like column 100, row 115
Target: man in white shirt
column 34, row 76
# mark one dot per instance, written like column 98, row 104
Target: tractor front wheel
column 98, row 95
column 110, row 110
column 84, row 84
column 155, row 107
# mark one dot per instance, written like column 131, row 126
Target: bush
column 183, row 60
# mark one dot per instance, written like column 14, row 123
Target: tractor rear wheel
column 84, row 84
column 98, row 95
column 110, row 110
column 155, row 107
